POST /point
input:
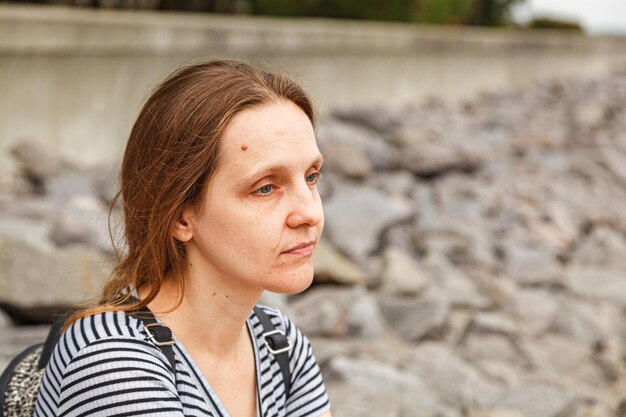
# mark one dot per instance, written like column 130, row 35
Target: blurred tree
column 476, row 12
column 473, row 12
column 491, row 12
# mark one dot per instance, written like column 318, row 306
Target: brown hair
column 172, row 152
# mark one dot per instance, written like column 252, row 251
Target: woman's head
column 201, row 123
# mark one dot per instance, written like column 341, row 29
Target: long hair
column 172, row 153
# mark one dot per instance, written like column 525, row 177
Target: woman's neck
column 212, row 316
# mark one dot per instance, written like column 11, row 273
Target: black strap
column 158, row 333
column 278, row 344
column 51, row 340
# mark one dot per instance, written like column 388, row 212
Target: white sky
column 596, row 16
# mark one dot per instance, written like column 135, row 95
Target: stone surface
column 538, row 400
column 454, row 380
column 58, row 277
column 415, row 317
column 328, row 311
column 357, row 216
column 332, row 266
column 403, row 275
column 384, row 389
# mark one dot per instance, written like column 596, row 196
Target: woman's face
column 261, row 215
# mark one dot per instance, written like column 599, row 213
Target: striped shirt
column 105, row 365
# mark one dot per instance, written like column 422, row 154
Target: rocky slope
column 473, row 262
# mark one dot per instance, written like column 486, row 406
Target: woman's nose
column 306, row 208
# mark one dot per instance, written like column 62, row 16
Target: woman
column 218, row 185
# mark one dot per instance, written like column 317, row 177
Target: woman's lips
column 303, row 249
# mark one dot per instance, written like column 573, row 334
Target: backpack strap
column 277, row 343
column 51, row 340
column 158, row 333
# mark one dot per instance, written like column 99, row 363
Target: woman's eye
column 313, row 178
column 266, row 189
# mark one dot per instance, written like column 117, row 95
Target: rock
column 356, row 217
column 347, row 160
column 58, row 277
column 402, row 274
column 398, row 183
column 465, row 242
column 535, row 309
column 67, row 185
column 82, row 220
column 415, row 317
column 495, row 413
column 353, row 150
column 458, row 288
column 435, row 159
column 377, row 118
column 338, row 312
column 603, row 246
column 30, row 231
column 385, row 390
column 537, row 400
column 438, row 366
column 490, row 348
column 560, row 360
column 603, row 283
column 332, row 266
column 587, row 322
column 530, row 265
column 494, row 322
column 39, row 163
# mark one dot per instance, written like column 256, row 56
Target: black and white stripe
column 105, row 365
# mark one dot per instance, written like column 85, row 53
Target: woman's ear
column 182, row 230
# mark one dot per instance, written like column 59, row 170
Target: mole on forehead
column 244, row 147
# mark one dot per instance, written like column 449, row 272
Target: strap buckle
column 153, row 335
column 274, row 340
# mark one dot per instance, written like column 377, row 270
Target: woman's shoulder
column 101, row 331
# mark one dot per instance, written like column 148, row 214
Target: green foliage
column 479, row 12
column 550, row 23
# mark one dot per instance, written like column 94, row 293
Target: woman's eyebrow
column 274, row 169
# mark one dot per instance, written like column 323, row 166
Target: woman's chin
column 292, row 282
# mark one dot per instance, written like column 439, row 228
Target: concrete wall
column 75, row 79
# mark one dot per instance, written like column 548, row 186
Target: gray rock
column 463, row 241
column 30, row 231
column 603, row 283
column 37, row 162
column 364, row 388
column 357, row 216
column 70, row 184
column 332, row 266
column 532, row 265
column 415, row 317
column 586, row 322
column 602, row 246
column 560, row 360
column 58, row 277
column 489, row 348
column 538, row 400
column 377, row 118
column 450, row 377
column 84, row 220
column 347, row 160
column 338, row 312
column 403, row 275
column 399, row 182
column 535, row 309
column 433, row 159
column 458, row 288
